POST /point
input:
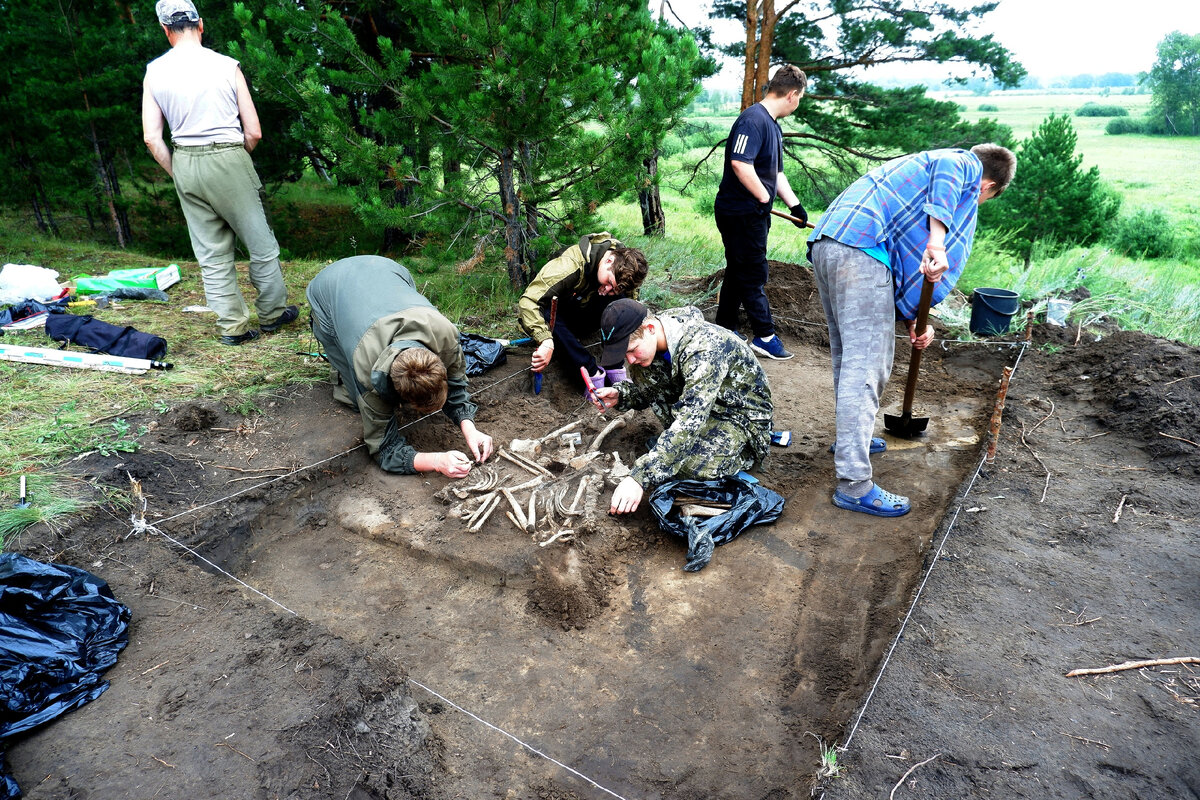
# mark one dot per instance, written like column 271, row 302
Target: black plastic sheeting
column 752, row 504
column 60, row 629
column 481, row 353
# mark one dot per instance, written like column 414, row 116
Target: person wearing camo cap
column 703, row 383
column 203, row 96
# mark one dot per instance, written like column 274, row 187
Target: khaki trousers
column 220, row 194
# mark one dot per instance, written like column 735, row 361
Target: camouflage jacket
column 708, row 375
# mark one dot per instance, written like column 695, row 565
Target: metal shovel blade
column 905, row 425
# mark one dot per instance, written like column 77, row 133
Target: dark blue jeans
column 745, row 240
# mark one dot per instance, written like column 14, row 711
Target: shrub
column 1120, row 125
column 1146, row 233
column 988, row 107
column 1097, row 110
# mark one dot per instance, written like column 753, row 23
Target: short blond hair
column 420, row 379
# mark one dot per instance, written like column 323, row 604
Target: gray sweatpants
column 219, row 193
column 856, row 292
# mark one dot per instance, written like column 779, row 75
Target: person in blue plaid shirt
column 909, row 218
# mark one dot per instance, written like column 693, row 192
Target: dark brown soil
column 328, row 626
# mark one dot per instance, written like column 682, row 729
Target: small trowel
column 23, row 502
column 537, row 376
column 906, row 426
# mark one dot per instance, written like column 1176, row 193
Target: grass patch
column 1146, row 169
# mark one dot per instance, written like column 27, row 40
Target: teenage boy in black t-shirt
column 752, row 179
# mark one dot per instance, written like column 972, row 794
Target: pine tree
column 508, row 124
column 844, row 119
column 69, row 109
column 1052, row 199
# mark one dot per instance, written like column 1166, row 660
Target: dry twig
column 1155, row 662
column 1082, row 739
column 1120, row 508
column 904, row 777
column 1179, row 439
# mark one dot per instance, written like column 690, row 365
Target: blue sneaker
column 772, row 349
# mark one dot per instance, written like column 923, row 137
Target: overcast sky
column 1051, row 38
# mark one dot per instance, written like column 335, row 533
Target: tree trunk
column 395, row 238
column 525, row 173
column 766, row 43
column 514, row 244
column 760, row 41
column 104, row 179
column 654, row 221
column 748, row 98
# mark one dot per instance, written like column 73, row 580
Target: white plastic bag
column 20, row 282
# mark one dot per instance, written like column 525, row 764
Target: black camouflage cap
column 620, row 319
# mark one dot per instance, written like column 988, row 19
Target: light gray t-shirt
column 197, row 91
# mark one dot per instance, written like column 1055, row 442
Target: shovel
column 906, row 426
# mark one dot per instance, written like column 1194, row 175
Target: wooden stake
column 997, row 415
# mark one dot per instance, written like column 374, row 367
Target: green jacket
column 572, row 273
column 365, row 311
column 712, row 397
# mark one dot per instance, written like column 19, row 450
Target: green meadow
column 1152, row 171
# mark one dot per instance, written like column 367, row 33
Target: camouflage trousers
column 860, row 308
column 719, row 449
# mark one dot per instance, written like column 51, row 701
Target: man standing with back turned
column 752, row 179
column 204, row 98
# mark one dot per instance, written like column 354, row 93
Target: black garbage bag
column 102, row 337
column 138, row 293
column 481, row 352
column 751, row 504
column 60, row 629
column 27, row 308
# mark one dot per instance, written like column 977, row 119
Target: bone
column 619, row 422
column 532, row 466
column 485, row 500
column 516, row 507
column 526, row 447
column 523, row 465
column 557, row 536
column 574, row 509
column 532, row 516
column 564, row 429
column 692, row 510
column 489, row 507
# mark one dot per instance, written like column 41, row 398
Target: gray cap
column 172, row 11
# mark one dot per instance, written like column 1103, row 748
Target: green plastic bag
column 146, row 278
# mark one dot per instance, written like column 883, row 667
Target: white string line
column 528, row 747
column 912, row 607
column 265, row 596
column 943, row 342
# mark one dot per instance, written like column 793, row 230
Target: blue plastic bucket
column 992, row 310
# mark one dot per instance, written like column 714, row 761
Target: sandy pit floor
column 338, row 632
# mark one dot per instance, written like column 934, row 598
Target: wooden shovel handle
column 914, row 364
column 790, row 218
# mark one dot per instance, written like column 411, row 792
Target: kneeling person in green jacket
column 703, row 383
column 585, row 279
column 393, row 353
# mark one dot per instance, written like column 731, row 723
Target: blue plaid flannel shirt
column 892, row 205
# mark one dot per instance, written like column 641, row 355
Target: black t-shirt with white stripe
column 757, row 139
